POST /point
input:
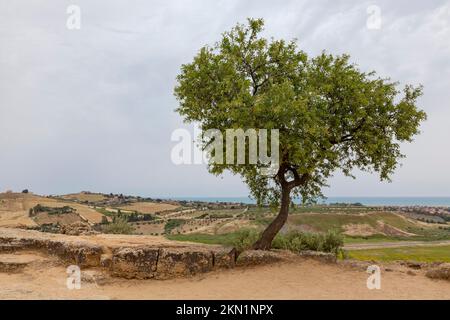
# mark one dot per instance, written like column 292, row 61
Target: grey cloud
column 93, row 108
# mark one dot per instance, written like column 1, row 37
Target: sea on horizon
column 368, row 201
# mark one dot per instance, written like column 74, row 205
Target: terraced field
column 149, row 207
column 14, row 209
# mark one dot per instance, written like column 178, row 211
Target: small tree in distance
column 330, row 115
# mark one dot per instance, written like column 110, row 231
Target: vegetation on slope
column 417, row 253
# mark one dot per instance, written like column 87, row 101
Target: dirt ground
column 299, row 279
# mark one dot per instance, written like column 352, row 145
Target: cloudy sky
column 92, row 109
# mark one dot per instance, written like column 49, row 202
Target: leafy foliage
column 300, row 241
column 244, row 239
column 172, row 224
column 331, row 115
column 50, row 210
column 295, row 241
column 118, row 226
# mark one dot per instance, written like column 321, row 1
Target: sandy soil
column 302, row 279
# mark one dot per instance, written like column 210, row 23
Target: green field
column 329, row 221
column 417, row 253
column 332, row 209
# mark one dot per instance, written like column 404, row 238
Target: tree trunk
column 265, row 242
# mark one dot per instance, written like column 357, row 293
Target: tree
column 330, row 115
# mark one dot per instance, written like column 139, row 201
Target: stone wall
column 132, row 261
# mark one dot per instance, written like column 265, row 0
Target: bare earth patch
column 359, row 230
column 298, row 279
column 63, row 219
column 392, row 231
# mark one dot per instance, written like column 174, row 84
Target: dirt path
column 302, row 279
column 396, row 244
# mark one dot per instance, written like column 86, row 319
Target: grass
column 294, row 241
column 118, row 226
column 328, row 221
column 148, row 207
column 90, row 197
column 328, row 209
column 334, row 221
column 418, row 253
column 172, row 224
column 373, row 239
column 104, row 212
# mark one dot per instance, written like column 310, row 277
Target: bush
column 104, row 220
column 118, row 226
column 333, row 242
column 299, row 241
column 172, row 224
column 245, row 239
column 51, row 210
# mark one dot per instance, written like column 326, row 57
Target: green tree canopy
column 330, row 115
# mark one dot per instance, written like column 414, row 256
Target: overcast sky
column 93, row 109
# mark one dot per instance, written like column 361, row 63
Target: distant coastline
column 368, row 201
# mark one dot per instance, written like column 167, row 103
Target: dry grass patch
column 82, row 196
column 149, row 207
column 14, row 209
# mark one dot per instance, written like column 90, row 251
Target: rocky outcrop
column 94, row 276
column 12, row 263
column 257, row 257
column 164, row 263
column 138, row 263
column 157, row 260
column 77, row 229
column 320, row 256
column 140, row 257
column 184, row 262
column 83, row 254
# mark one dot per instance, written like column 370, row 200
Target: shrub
column 104, row 220
column 118, row 226
column 172, row 224
column 245, row 239
column 299, row 241
column 51, row 210
column 333, row 242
